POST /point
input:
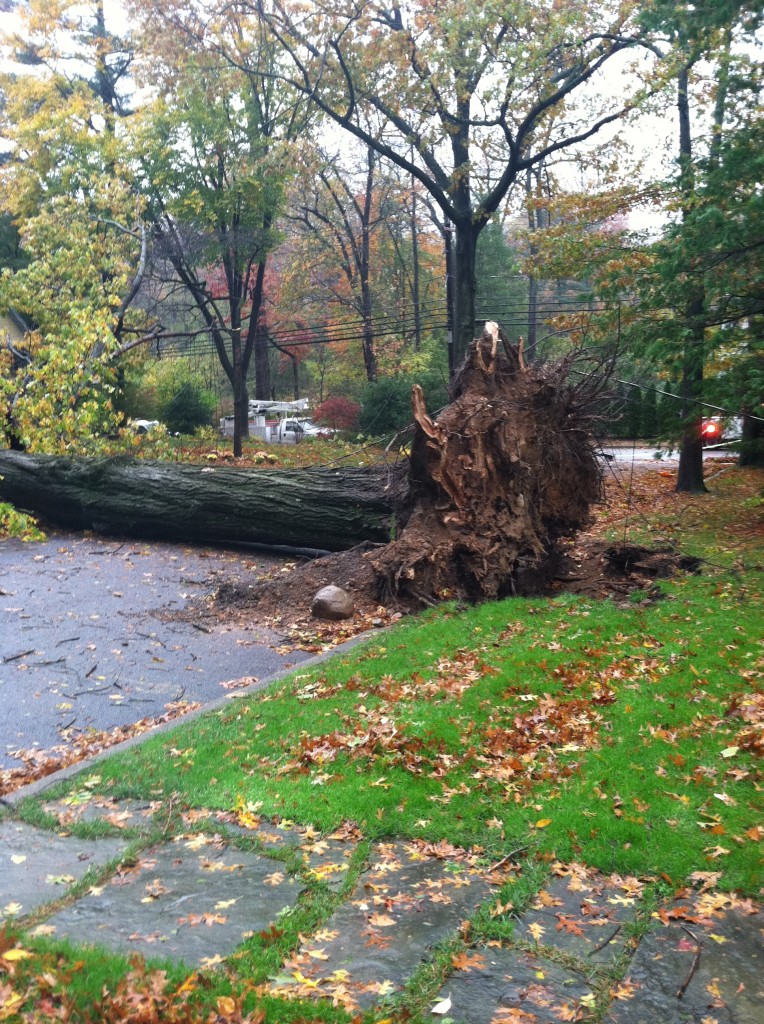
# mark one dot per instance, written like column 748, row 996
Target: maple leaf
column 467, row 961
column 274, row 879
column 568, row 924
column 440, row 897
column 712, row 852
column 565, row 1012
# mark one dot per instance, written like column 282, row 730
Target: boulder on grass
column 332, row 603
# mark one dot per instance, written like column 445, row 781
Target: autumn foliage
column 337, row 412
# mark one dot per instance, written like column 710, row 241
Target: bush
column 189, row 408
column 170, row 390
column 18, row 524
column 386, row 404
column 338, row 413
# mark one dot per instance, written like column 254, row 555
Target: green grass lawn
column 626, row 737
column 580, row 730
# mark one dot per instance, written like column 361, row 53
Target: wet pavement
column 657, row 457
column 88, row 639
column 587, row 945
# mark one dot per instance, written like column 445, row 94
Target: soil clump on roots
column 507, row 469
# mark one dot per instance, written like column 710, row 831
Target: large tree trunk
column 317, row 508
column 689, row 476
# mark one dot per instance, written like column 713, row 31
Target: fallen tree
column 492, row 483
column 326, row 509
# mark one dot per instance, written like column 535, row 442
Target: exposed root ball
column 506, row 469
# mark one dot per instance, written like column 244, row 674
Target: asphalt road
column 657, row 458
column 86, row 642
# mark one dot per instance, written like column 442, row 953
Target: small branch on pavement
column 693, row 968
column 605, row 942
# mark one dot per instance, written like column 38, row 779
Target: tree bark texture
column 318, row 508
column 689, row 477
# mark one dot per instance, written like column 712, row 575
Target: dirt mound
column 288, row 592
column 589, row 567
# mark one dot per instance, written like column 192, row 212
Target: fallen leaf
column 543, row 822
column 381, row 921
column 442, row 1007
column 317, row 954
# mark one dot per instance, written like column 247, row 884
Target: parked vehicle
column 720, row 430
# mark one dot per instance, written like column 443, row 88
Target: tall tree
column 466, row 87
column 226, row 163
column 67, row 191
column 213, row 189
column 698, row 32
column 342, row 213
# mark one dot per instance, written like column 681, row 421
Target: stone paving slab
column 326, row 858
column 582, row 913
column 411, row 898
column 505, row 985
column 37, row 867
column 726, row 985
column 195, row 900
column 83, row 806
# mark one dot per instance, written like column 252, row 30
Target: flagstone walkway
column 198, row 890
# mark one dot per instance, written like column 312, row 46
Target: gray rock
column 332, row 603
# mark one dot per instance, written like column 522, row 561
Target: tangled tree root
column 503, row 472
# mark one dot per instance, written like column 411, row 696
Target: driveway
column 88, row 638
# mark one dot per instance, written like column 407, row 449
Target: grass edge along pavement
column 623, row 738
